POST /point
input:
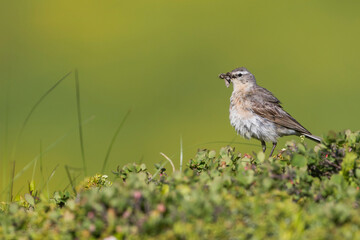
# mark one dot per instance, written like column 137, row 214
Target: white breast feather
column 253, row 126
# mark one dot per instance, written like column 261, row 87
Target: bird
column 256, row 113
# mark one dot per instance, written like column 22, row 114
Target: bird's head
column 240, row 77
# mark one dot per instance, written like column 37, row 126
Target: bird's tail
column 312, row 137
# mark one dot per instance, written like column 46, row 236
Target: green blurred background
column 161, row 59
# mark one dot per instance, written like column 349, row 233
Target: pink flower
column 91, row 215
column 161, row 207
column 137, row 195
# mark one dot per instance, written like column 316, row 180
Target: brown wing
column 266, row 105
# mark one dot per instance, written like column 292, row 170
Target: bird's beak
column 226, row 77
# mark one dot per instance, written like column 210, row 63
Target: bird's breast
column 241, row 107
column 247, row 123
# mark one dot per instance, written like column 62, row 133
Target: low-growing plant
column 131, row 168
column 301, row 193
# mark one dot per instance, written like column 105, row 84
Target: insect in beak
column 226, row 77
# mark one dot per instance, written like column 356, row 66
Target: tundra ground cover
column 300, row 193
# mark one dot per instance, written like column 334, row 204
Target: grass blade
column 26, row 121
column 12, row 182
column 49, row 178
column 34, row 168
column 157, row 172
column 181, row 153
column 74, row 180
column 41, row 162
column 39, row 101
column 27, row 166
column 70, row 179
column 171, row 162
column 77, row 85
column 6, row 135
column 113, row 140
column 233, row 140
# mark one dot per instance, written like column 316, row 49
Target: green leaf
column 301, row 147
column 357, row 173
column 30, row 199
column 143, row 167
column 299, row 161
column 261, row 156
column 165, row 190
column 212, row 154
column 337, row 179
column 348, row 163
column 32, row 186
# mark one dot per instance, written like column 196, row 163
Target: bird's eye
column 239, row 74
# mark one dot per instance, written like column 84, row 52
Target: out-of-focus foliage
column 128, row 169
column 302, row 193
column 97, row 181
column 161, row 59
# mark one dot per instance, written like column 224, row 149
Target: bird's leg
column 263, row 144
column 273, row 148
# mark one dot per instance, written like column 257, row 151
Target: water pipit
column 256, row 113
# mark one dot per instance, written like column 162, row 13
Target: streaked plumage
column 256, row 113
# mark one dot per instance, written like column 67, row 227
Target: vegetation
column 302, row 193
